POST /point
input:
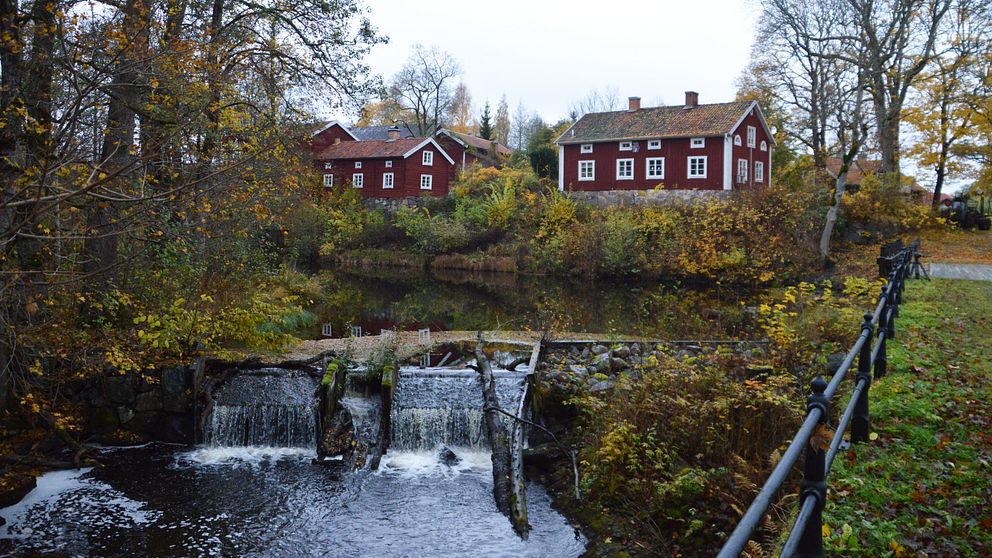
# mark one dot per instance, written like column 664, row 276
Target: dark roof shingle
column 371, row 149
column 657, row 122
column 479, row 143
column 374, row 133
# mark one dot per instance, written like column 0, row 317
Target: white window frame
column 737, row 140
column 389, row 164
column 697, row 143
column 585, row 148
column 759, row 171
column 358, row 180
column 654, row 144
column 742, row 174
column 659, row 162
column 358, row 164
column 591, row 165
column 427, row 184
column 328, row 165
column 387, row 181
column 328, row 180
column 626, row 175
column 626, row 146
column 428, row 159
column 764, row 145
column 689, row 163
column 752, row 135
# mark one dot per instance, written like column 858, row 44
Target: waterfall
column 269, row 407
column 435, row 406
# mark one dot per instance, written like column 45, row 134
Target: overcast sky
column 550, row 53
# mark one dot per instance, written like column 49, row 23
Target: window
column 626, row 146
column 764, row 146
column 587, row 170
column 328, row 180
column 328, row 165
column 656, row 167
column 389, row 164
column 751, row 131
column 586, row 148
column 357, row 180
column 697, row 167
column 625, row 169
column 387, row 181
column 759, row 171
column 698, row 143
column 358, row 164
column 428, row 159
column 737, row 140
column 426, row 182
column 741, row 171
column 654, row 144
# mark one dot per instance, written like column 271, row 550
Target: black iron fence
column 806, row 537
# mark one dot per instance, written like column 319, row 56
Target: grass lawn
column 924, row 486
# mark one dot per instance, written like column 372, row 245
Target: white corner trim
column 435, row 144
column 567, row 130
column 561, row 168
column 728, row 144
column 451, row 135
column 332, row 124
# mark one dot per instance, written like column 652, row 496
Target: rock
column 145, row 384
column 103, row 418
column 573, row 349
column 125, row 414
column 622, row 351
column 448, row 457
column 174, row 380
column 118, row 389
column 151, row 401
column 759, row 371
column 633, row 374
column 95, row 398
column 601, row 385
column 578, row 370
column 175, row 403
column 600, row 349
column 619, row 364
column 15, row 487
column 636, row 349
column 593, row 369
column 683, row 354
column 585, row 352
column 695, row 348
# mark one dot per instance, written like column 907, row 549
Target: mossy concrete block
column 119, row 389
column 151, row 401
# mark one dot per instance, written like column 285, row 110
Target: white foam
column 418, row 463
column 242, row 455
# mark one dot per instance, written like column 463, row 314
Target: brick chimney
column 393, row 133
column 633, row 104
column 691, row 99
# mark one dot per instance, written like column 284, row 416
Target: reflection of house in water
column 862, row 168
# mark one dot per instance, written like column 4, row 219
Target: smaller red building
column 392, row 168
column 721, row 146
column 467, row 150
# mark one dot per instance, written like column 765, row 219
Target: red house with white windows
column 722, row 146
column 396, row 167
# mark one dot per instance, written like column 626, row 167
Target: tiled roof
column 657, row 122
column 480, row 143
column 371, row 149
column 373, row 133
column 857, row 172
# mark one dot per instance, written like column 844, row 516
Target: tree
column 460, row 118
column 485, row 126
column 501, row 129
column 596, row 101
column 384, row 112
column 423, row 88
column 541, row 149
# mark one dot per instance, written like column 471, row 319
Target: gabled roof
column 376, row 149
column 328, row 125
column 374, row 133
column 858, row 170
column 469, row 140
column 658, row 122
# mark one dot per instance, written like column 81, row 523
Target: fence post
column 814, row 478
column 881, row 360
column 861, row 421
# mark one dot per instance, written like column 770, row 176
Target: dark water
column 168, row 501
column 387, row 299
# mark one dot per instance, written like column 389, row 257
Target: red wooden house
column 467, row 149
column 722, row 146
column 392, row 168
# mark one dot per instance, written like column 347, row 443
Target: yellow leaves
column 897, row 549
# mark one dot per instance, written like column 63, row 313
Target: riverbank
column 923, row 488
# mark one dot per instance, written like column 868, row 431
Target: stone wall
column 648, row 197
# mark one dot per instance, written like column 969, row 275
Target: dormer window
column 428, row 159
column 389, row 164
column 586, row 148
column 697, row 143
column 328, row 165
column 358, row 164
column 654, row 144
column 764, row 146
column 626, row 146
column 737, row 140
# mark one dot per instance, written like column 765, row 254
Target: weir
column 269, row 407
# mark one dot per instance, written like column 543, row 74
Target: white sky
column 551, row 53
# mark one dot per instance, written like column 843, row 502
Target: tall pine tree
column 485, row 126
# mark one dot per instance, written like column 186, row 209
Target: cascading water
column 269, row 407
column 439, row 406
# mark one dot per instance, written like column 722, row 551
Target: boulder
column 619, row 364
column 118, row 389
column 150, row 401
column 601, row 385
column 622, row 351
column 174, row 380
column 125, row 414
column 600, row 349
column 636, row 349
column 448, row 457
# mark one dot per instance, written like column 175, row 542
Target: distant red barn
column 723, row 146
